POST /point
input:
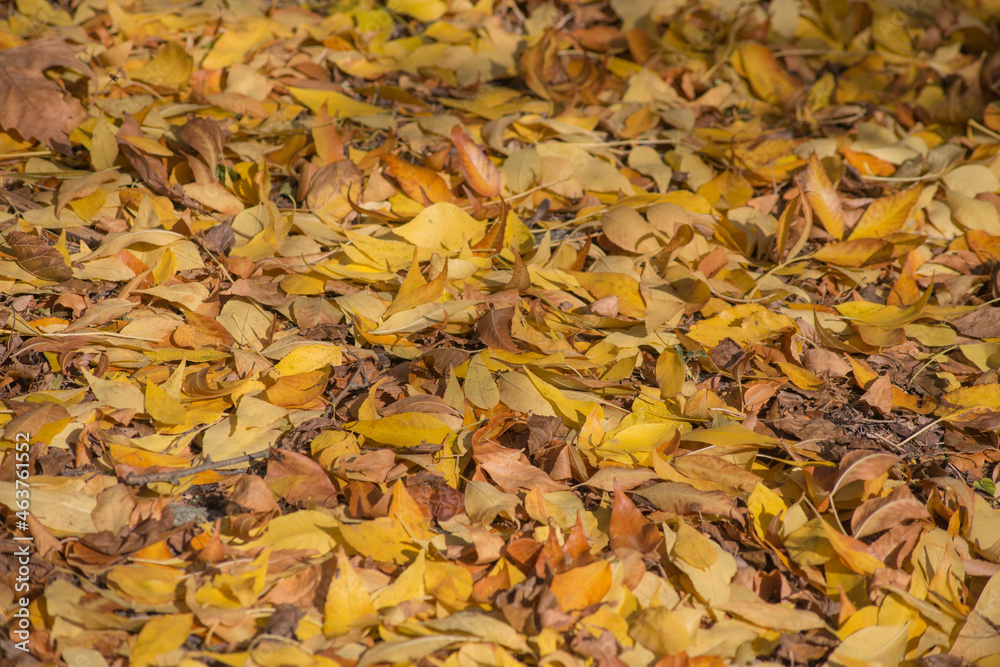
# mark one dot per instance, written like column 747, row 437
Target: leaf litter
column 445, row 333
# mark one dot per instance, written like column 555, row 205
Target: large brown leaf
column 37, row 257
column 33, row 105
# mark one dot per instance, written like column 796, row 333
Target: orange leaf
column 418, row 183
column 868, row 165
column 629, row 528
column 582, row 587
column 480, row 172
column 768, row 80
column 329, row 143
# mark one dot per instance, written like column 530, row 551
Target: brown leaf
column 521, row 279
column 150, row 167
column 881, row 514
column 510, row 469
column 252, row 492
column 33, row 105
column 683, row 499
column 37, row 257
column 860, row 465
column 983, row 322
column 879, row 395
column 34, row 419
column 299, row 480
column 717, row 470
column 329, row 188
column 207, row 138
column 419, row 403
column 493, row 329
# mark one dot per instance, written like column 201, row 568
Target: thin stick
column 928, row 426
column 174, row 476
column 349, row 387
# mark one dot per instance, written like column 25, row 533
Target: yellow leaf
column 693, row 547
column 730, row 435
column 449, row 583
column 422, row 10
column 146, row 583
column 306, row 358
column 968, row 403
column 633, row 444
column 415, row 291
column 875, row 645
column 711, row 583
column 379, row 253
column 146, row 145
column 628, row 230
column 800, row 377
column 855, row 253
column 337, row 104
column 876, row 314
column 670, row 373
column 89, row 207
column 853, row 553
column 232, row 46
column 384, row 539
column 573, row 412
column 162, row 407
column 303, row 284
column 303, row 530
column 603, row 284
column 747, row 324
column 166, row 268
column 864, row 374
column 61, row 508
column 662, row 631
column 104, row 147
column 407, row 586
column 159, row 636
column 442, row 226
column 406, row 429
column 418, row 183
column 887, row 215
column 518, row 393
column 823, row 198
column 348, row 603
column 118, row 395
column 480, row 387
column 170, row 68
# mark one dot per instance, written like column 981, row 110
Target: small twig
column 348, row 388
column 929, row 362
column 174, row 476
column 928, row 426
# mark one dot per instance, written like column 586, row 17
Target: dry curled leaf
column 37, row 257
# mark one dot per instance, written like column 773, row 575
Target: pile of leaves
column 501, row 333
